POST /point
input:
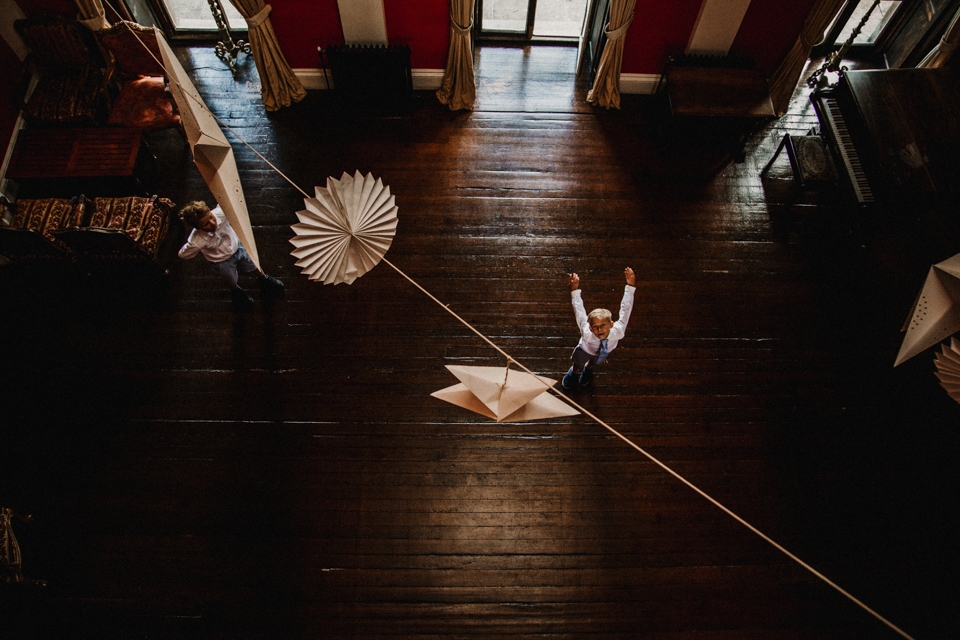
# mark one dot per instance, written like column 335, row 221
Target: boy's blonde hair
column 603, row 314
column 193, row 211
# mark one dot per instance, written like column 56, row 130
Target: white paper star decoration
column 504, row 395
column 936, row 313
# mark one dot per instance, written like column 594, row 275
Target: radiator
column 371, row 75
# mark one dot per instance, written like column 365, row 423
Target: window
column 187, row 18
column 196, row 15
column 525, row 20
column 919, row 32
column 870, row 20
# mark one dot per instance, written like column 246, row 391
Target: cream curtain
column 459, row 87
column 606, row 86
column 945, row 48
column 785, row 77
column 279, row 86
column 92, row 14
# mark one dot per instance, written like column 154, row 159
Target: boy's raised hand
column 631, row 278
column 574, row 280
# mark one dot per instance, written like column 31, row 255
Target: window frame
column 860, row 51
column 165, row 22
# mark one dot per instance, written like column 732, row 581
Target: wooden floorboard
column 198, row 473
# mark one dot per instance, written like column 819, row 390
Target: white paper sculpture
column 936, row 313
column 345, row 230
column 504, row 395
column 948, row 368
column 212, row 154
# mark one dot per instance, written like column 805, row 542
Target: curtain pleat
column 92, row 14
column 784, row 79
column 279, row 86
column 606, row 86
column 945, row 48
column 459, row 87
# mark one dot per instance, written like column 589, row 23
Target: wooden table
column 718, row 91
column 66, row 162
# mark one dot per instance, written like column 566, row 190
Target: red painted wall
column 769, row 29
column 423, row 25
column 660, row 29
column 302, row 26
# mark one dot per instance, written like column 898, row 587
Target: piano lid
column 907, row 124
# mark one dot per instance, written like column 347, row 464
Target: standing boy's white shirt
column 591, row 343
column 217, row 245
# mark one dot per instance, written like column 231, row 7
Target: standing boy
column 213, row 236
column 599, row 334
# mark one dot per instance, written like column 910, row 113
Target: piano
column 894, row 133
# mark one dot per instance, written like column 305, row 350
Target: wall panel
column 769, row 29
column 304, row 25
column 660, row 29
column 424, row 26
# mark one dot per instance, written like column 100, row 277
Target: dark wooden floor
column 196, row 473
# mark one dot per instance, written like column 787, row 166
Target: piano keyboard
column 848, row 153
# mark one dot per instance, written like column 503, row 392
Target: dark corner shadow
column 657, row 145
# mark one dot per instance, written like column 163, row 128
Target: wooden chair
column 143, row 100
column 71, row 89
column 809, row 157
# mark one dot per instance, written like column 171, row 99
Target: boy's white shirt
column 591, row 343
column 217, row 245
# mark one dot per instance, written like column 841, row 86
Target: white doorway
column 559, row 18
column 527, row 20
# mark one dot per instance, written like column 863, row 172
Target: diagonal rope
column 658, row 462
column 661, row 464
column 585, row 411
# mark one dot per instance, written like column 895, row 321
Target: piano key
column 845, row 148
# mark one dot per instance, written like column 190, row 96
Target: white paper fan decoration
column 345, row 230
column 948, row 368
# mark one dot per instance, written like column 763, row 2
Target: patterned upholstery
column 71, row 88
column 102, row 229
column 144, row 220
column 67, row 98
column 56, row 42
column 31, row 234
column 157, row 226
column 134, row 49
column 46, row 216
